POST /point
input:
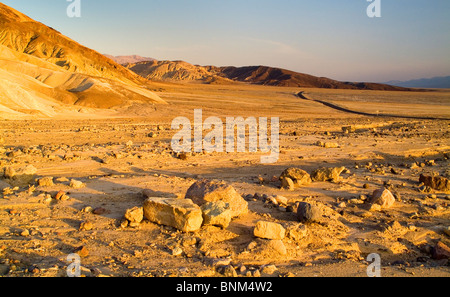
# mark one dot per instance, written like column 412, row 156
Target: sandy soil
column 116, row 159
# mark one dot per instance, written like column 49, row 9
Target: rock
column 62, row 179
column 99, row 211
column 215, row 262
column 267, row 248
column 76, row 184
column 9, row 172
column 205, row 191
column 82, row 251
column 269, row 230
column 7, row 191
column 331, row 145
column 61, row 195
column 298, row 176
column 287, row 183
column 20, row 177
column 34, row 269
column 177, row 251
column 87, row 209
column 342, row 205
column 441, row 251
column 307, row 213
column 327, row 174
column 28, row 170
column 382, row 197
column 228, row 271
column 393, row 229
column 182, row 214
column 327, row 144
column 355, row 201
column 189, row 241
column 216, row 213
column 86, row 226
column 297, row 232
column 281, row 200
column 252, row 245
column 348, row 129
column 435, row 182
column 375, row 207
column 135, row 214
column 277, row 246
column 47, row 199
column 269, row 269
column 182, row 156
column 124, row 223
column 46, row 181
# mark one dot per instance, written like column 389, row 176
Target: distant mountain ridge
column 128, row 59
column 260, row 75
column 442, row 82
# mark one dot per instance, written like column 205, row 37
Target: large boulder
column 205, row 191
column 298, row 176
column 182, row 214
column 308, row 213
column 439, row 183
column 382, row 197
column 269, row 230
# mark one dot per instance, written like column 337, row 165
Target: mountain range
column 259, row 75
column 432, row 83
column 128, row 59
column 43, row 72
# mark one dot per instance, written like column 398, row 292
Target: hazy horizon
column 322, row 38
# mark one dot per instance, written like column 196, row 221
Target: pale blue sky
column 332, row 38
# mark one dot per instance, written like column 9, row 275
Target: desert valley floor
column 119, row 154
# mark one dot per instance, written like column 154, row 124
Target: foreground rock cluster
column 206, row 203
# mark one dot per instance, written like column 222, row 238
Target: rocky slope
column 43, row 73
column 177, row 71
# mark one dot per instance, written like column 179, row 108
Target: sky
column 330, row 38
